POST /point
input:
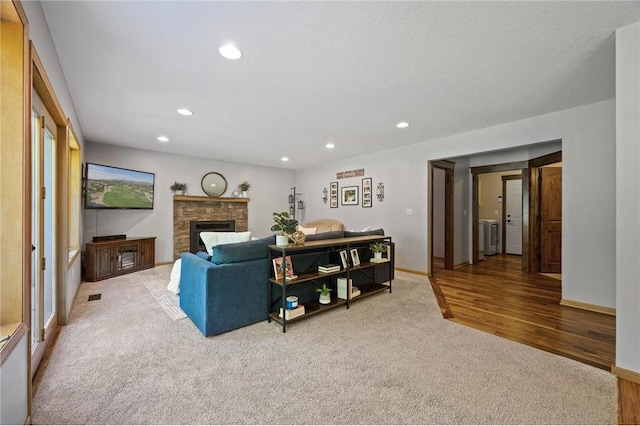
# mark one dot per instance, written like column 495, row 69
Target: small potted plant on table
column 284, row 225
column 377, row 248
column 325, row 294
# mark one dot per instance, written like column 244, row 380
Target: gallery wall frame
column 349, row 195
column 333, row 195
column 366, row 192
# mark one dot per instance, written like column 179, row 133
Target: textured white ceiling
column 314, row 72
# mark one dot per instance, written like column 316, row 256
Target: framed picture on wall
column 349, row 196
column 333, row 194
column 366, row 192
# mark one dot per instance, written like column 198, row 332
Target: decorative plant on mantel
column 178, row 186
column 244, row 186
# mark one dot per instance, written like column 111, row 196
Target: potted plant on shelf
column 325, row 296
column 284, row 226
column 178, row 186
column 377, row 248
column 244, row 187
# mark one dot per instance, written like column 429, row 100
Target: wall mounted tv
column 108, row 187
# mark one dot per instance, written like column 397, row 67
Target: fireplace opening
column 197, row 226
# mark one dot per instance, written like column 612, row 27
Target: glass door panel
column 43, row 227
column 49, row 302
column 35, row 220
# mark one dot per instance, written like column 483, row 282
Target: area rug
column 157, row 285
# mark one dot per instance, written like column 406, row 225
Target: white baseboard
column 588, row 307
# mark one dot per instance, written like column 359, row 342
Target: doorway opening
column 441, row 218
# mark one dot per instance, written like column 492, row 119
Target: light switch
column 409, row 212
column 495, row 212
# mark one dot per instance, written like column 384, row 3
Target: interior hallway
column 497, row 297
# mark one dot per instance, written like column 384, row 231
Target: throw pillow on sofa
column 307, row 231
column 212, row 239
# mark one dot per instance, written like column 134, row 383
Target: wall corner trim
column 623, row 373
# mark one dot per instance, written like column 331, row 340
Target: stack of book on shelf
column 325, row 269
column 381, row 260
column 292, row 313
column 344, row 289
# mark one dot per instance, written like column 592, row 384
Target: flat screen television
column 108, row 187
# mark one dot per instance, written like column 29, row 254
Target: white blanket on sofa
column 210, row 239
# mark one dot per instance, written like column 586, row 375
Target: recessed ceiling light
column 330, row 145
column 402, row 125
column 163, row 139
column 284, row 159
column 184, row 111
column 229, row 51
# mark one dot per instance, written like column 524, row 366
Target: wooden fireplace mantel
column 209, row 199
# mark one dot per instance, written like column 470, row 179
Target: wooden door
column 147, row 253
column 104, row 261
column 551, row 219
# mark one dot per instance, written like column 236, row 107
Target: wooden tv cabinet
column 107, row 259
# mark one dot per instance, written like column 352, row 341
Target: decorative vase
column 298, row 238
column 377, row 255
column 325, row 299
column 245, row 194
column 282, row 240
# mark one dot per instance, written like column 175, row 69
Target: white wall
column 461, row 211
column 588, row 144
column 14, row 385
column 628, row 197
column 41, row 37
column 268, row 193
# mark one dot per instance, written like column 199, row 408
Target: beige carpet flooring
column 390, row 359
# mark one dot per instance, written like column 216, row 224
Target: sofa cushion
column 307, row 231
column 242, row 252
column 325, row 225
column 204, row 254
column 364, row 233
column 325, row 236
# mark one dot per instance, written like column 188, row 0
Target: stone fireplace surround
column 187, row 209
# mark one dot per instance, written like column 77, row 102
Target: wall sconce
column 325, row 195
column 293, row 196
column 380, row 191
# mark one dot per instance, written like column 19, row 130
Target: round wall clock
column 214, row 184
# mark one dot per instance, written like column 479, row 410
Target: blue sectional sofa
column 228, row 290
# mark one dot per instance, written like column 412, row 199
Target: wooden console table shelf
column 106, row 259
column 332, row 248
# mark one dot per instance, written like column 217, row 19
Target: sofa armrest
column 219, row 298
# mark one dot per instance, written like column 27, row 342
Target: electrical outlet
column 409, row 212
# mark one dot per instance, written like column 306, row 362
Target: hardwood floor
column 497, row 297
